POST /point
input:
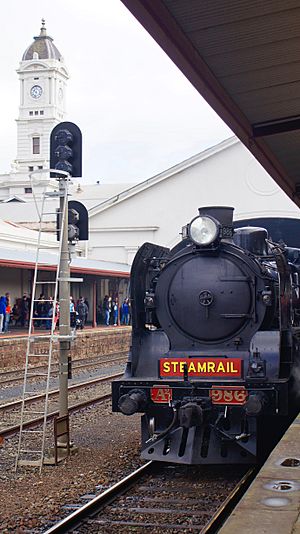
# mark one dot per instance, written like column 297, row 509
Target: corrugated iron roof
column 243, row 56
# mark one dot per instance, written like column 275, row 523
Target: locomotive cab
column 214, row 342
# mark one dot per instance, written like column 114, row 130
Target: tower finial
column 43, row 27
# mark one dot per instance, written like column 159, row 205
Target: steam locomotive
column 215, row 343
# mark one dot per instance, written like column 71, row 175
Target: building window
column 30, row 112
column 30, row 169
column 42, row 112
column 36, row 78
column 40, row 167
column 28, row 190
column 35, row 145
column 36, row 112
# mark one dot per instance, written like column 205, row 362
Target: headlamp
column 203, row 230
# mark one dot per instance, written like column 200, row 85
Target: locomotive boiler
column 215, row 343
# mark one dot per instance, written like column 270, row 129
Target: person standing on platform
column 42, row 310
column 2, row 312
column 107, row 309
column 82, row 311
column 72, row 313
column 50, row 314
column 24, row 310
column 7, row 312
column 88, row 308
column 125, row 312
column 115, row 307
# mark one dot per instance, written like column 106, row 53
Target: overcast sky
column 137, row 112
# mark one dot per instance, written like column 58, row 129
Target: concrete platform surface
column 272, row 503
column 20, row 332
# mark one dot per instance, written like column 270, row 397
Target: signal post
column 64, row 302
column 72, row 225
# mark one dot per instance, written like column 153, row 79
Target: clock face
column 36, row 91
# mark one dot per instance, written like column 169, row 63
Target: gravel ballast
column 108, row 449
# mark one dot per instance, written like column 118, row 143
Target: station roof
column 89, row 194
column 243, row 56
column 25, row 259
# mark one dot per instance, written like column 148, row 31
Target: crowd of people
column 109, row 312
column 113, row 313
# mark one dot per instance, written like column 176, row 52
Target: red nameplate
column 202, row 367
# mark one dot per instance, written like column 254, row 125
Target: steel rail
column 35, row 398
column 38, row 367
column 230, row 502
column 39, row 420
column 95, row 505
column 88, row 360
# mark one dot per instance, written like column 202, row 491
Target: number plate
column 161, row 394
column 236, row 395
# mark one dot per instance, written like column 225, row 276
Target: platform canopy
column 243, row 56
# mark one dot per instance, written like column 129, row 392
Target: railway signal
column 66, row 149
column 73, row 230
column 66, row 161
column 78, row 221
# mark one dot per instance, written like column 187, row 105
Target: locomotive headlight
column 203, row 230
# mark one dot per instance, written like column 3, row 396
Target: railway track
column 11, row 431
column 11, row 424
column 17, row 375
column 162, row 499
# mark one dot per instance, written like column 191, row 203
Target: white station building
column 123, row 216
column 43, row 80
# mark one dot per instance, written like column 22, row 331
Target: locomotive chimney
column 223, row 214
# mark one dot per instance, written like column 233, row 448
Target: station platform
column 23, row 332
column 88, row 342
column 271, row 505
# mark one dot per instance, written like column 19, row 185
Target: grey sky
column 137, row 112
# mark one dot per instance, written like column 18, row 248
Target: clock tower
column 43, row 77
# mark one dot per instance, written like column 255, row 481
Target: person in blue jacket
column 125, row 312
column 2, row 312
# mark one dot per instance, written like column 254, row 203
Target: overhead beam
column 276, row 126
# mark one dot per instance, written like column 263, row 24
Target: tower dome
column 42, row 47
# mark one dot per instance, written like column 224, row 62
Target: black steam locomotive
column 215, row 343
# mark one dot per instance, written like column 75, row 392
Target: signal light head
column 64, row 166
column 66, row 149
column 64, row 137
column 73, row 230
column 63, row 152
column 73, row 216
column 73, row 233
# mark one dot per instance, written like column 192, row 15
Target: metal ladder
column 31, row 445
